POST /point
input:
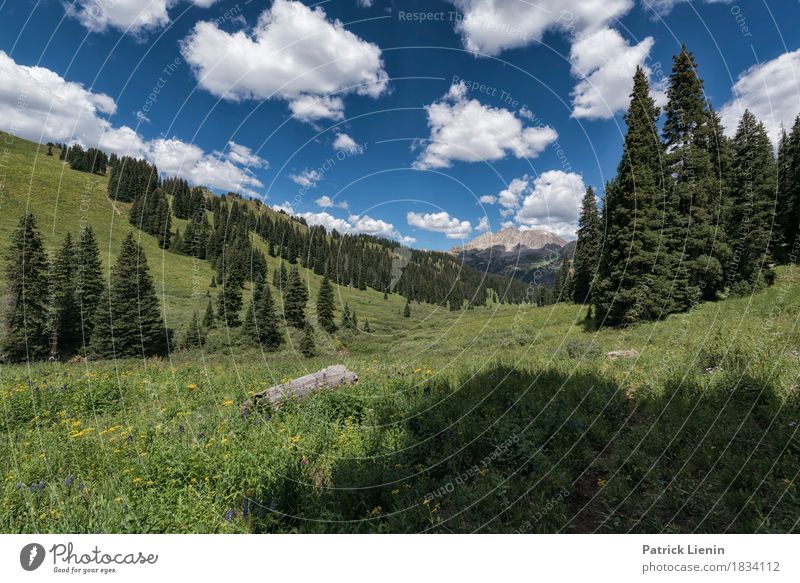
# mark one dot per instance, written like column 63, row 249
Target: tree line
column 691, row 214
column 62, row 306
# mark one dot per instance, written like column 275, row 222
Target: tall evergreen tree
column 65, row 324
column 407, row 309
column 208, row 317
column 90, row 284
column 270, row 336
column 26, row 317
column 562, row 290
column 195, row 335
column 587, row 252
column 308, row 347
column 325, row 306
column 230, row 299
column 754, row 186
column 347, row 318
column 639, row 270
column 294, row 305
column 788, row 213
column 690, row 143
column 128, row 320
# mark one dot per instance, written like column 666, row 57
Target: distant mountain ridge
column 532, row 255
column 511, row 238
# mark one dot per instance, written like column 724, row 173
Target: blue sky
column 425, row 121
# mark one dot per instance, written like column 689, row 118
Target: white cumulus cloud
column 326, row 202
column 492, row 26
column 465, row 130
column 294, row 53
column 771, row 90
column 40, row 105
column 605, row 63
column 355, row 225
column 440, row 222
column 553, row 202
column 345, row 143
column 306, row 178
column 129, row 16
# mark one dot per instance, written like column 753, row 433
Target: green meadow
column 496, row 419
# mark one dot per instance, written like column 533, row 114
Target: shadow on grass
column 512, row 451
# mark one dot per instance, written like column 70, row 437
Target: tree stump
column 330, row 377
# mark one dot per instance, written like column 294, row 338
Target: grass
column 496, row 419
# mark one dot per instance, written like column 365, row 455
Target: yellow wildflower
column 227, row 403
column 191, row 387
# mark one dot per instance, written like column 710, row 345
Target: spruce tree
column 270, row 336
column 65, row 326
column 308, row 347
column 296, row 296
column 229, row 302
column 690, row 144
column 754, row 187
column 788, row 214
column 366, row 325
column 90, row 284
column 639, row 271
column 195, row 335
column 407, row 309
column 26, row 334
column 587, row 252
column 128, row 319
column 208, row 318
column 325, row 306
column 347, row 317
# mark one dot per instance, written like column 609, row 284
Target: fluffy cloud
column 327, row 202
column 354, row 224
column 285, row 207
column 552, row 202
column 463, row 129
column 488, row 199
column 293, row 53
column 310, row 108
column 663, row 7
column 307, row 178
column 483, row 224
column 239, row 154
column 440, row 222
column 602, row 60
column 492, row 26
column 605, row 63
column 130, row 16
column 509, row 197
column 771, row 90
column 345, row 143
column 177, row 158
column 38, row 104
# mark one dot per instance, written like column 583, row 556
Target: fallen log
column 330, row 377
column 616, row 354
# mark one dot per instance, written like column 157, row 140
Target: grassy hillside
column 496, row 419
